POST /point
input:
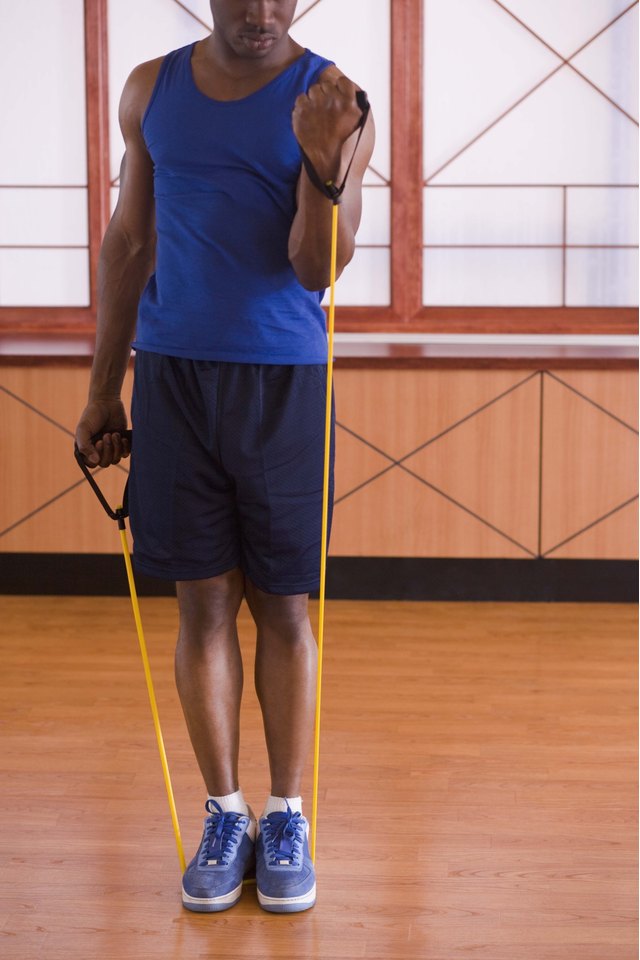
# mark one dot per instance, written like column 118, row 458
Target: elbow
column 313, row 280
column 311, row 272
column 316, row 275
column 129, row 245
column 140, row 249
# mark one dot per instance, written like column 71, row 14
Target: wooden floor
column 478, row 787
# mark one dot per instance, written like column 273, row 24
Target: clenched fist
column 323, row 120
column 105, row 417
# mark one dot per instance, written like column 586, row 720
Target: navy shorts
column 226, row 470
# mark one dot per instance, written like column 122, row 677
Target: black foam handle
column 328, row 188
column 121, row 513
column 363, row 101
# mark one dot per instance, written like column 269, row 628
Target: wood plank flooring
column 478, row 787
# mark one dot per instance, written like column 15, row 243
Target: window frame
column 51, row 320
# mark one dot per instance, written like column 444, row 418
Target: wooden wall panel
column 457, row 463
column 73, row 523
column 615, row 392
column 615, row 538
column 589, row 467
column 39, row 408
column 398, row 516
column 488, row 463
column 399, row 410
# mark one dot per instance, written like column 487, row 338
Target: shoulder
column 145, row 74
column 137, row 92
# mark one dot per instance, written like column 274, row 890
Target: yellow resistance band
column 325, row 521
column 152, row 696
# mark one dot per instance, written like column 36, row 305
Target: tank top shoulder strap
column 172, row 70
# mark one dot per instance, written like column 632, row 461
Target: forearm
column 310, row 237
column 123, row 271
column 326, row 122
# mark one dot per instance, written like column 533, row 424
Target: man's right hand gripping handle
column 106, row 417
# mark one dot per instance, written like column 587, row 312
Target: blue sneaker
column 284, row 872
column 213, row 880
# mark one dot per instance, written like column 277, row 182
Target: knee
column 209, row 607
column 280, row 619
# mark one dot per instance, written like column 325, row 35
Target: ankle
column 279, row 805
column 232, row 802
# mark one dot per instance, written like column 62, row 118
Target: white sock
column 279, row 805
column 232, row 803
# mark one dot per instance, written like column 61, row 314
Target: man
column 216, row 256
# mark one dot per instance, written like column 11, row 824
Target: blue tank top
column 225, row 176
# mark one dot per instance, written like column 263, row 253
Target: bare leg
column 285, row 675
column 209, row 675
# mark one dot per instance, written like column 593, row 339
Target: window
column 530, row 154
column 52, row 210
column 501, row 197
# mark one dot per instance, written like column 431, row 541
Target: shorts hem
column 161, row 572
column 284, row 590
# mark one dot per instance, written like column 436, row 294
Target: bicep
column 134, row 213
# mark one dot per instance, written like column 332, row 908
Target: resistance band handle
column 363, row 102
column 328, row 187
column 122, row 512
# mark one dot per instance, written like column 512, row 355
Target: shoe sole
column 287, row 904
column 211, row 904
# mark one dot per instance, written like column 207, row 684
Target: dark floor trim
column 444, row 578
column 356, row 578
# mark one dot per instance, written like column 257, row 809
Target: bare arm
column 324, row 121
column 125, row 263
